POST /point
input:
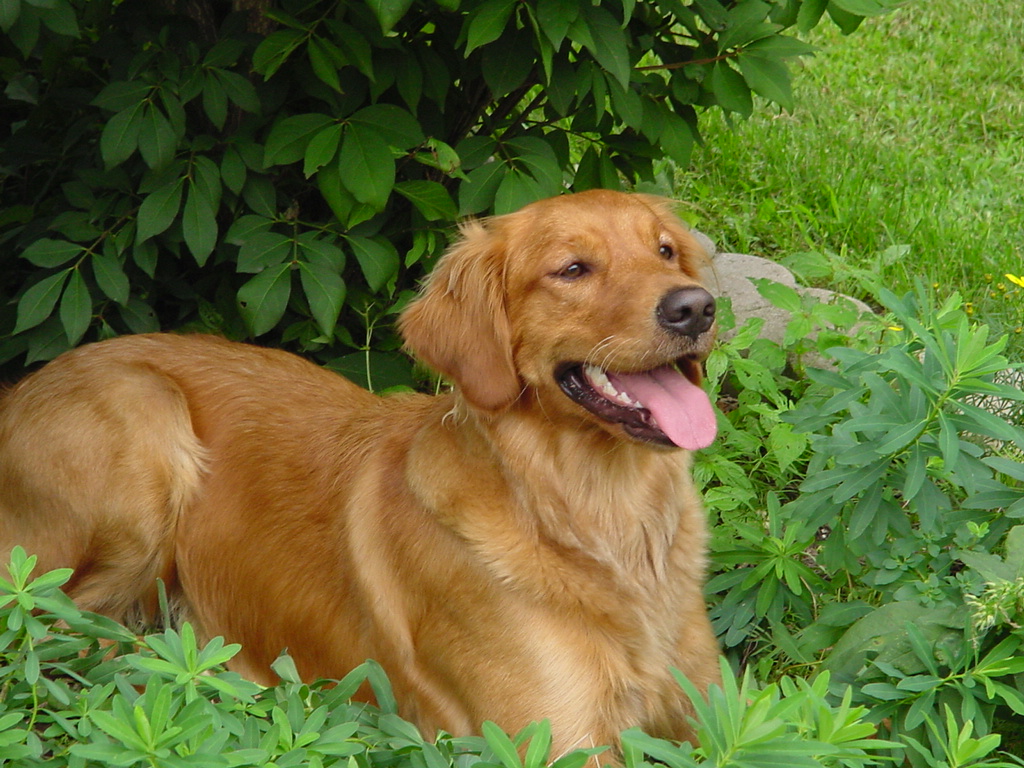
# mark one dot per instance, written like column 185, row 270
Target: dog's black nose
column 687, row 311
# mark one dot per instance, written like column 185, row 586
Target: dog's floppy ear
column 459, row 325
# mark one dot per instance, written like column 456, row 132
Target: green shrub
column 870, row 518
column 286, row 170
column 77, row 690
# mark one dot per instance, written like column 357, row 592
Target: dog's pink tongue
column 681, row 408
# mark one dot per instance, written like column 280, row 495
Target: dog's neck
column 576, row 498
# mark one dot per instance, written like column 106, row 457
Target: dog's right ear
column 459, row 324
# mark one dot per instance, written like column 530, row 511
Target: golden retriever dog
column 526, row 546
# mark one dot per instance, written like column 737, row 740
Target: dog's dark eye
column 574, row 271
column 666, row 251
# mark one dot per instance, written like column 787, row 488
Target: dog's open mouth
column 663, row 405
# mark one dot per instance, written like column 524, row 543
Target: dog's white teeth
column 599, row 380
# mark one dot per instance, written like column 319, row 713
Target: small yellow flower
column 894, row 328
column 1001, row 287
column 1017, row 280
column 968, row 308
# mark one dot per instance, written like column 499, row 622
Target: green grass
column 904, row 157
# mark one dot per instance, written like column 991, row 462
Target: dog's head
column 589, row 303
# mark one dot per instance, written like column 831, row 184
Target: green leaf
column 110, row 276
column 262, row 250
column 289, row 138
column 768, row 78
column 139, row 316
column 516, row 190
column 501, row 745
column 504, row 64
column 323, row 64
column 233, row 170
column 120, row 136
column 49, row 253
column 158, row 210
column 554, row 17
column 9, row 12
column 389, row 12
column 377, row 258
column 215, row 99
column 731, row 90
column 476, row 193
column 263, row 300
column 325, row 292
column 810, row 14
column 122, row 94
column 322, row 149
column 488, row 23
column 76, row 308
column 239, row 90
column 396, row 125
column 608, row 42
column 430, row 198
column 157, row 142
column 37, row 303
column 274, row 51
column 60, row 18
column 199, row 224
column 366, row 166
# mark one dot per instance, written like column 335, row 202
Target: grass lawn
column 904, row 157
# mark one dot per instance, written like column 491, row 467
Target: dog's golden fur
column 504, row 553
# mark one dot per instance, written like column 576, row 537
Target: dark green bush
column 286, row 170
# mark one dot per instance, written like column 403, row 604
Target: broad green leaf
column 768, row 78
column 488, row 23
column 76, row 308
column 476, row 194
column 396, row 125
column 120, row 136
column 215, row 99
column 537, row 156
column 157, row 142
column 60, row 18
column 110, row 276
column 677, row 140
column 289, row 138
column 233, row 170
column 322, row 149
column 504, row 64
column 516, row 190
column 810, row 14
column 245, row 227
column 274, row 51
column 325, row 292
column 263, row 300
column 9, row 12
column 263, row 249
column 47, row 252
column 430, row 198
column 389, row 12
column 609, row 44
column 322, row 252
column 862, row 7
column 37, row 303
column 139, row 316
column 501, row 745
column 238, row 90
column 122, row 94
column 731, row 90
column 366, row 166
column 377, row 259
column 324, row 65
column 260, row 195
column 158, row 210
column 554, row 17
column 199, row 225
